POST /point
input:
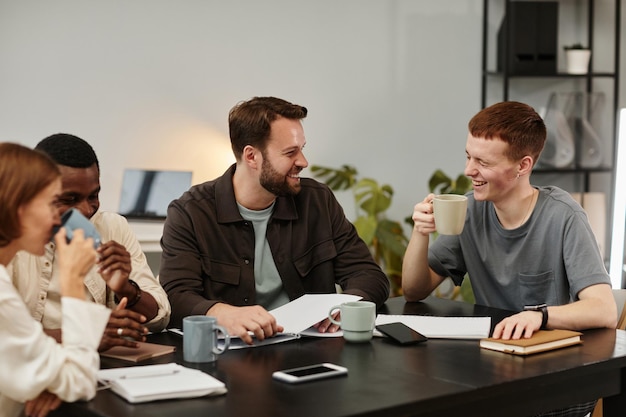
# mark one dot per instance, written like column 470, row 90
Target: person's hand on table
column 518, row 326
column 243, row 322
column 42, row 405
column 123, row 326
column 327, row 326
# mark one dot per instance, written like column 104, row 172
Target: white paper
column 302, row 313
column 313, row 332
column 442, row 327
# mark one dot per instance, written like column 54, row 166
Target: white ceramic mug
column 357, row 320
column 449, row 211
column 200, row 339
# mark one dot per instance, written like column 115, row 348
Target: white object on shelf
column 559, row 150
column 577, row 60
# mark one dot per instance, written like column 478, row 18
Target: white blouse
column 31, row 361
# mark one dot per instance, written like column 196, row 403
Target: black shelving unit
column 506, row 77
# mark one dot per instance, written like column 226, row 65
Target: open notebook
column 297, row 317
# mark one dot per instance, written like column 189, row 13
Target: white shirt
column 31, row 361
column 36, row 277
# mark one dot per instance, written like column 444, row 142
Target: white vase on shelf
column 577, row 60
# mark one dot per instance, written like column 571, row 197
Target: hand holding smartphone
column 401, row 333
column 309, row 373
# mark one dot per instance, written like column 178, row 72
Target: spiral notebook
column 138, row 384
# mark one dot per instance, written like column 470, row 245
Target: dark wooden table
column 436, row 378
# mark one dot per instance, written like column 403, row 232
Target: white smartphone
column 310, row 373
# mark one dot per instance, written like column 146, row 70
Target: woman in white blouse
column 34, row 368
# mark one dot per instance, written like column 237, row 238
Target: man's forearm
column 416, row 277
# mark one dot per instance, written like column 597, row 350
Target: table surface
column 437, row 378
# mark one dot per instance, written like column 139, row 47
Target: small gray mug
column 200, row 339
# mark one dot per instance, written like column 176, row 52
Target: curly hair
column 68, row 150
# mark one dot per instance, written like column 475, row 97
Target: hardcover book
column 540, row 341
column 144, row 351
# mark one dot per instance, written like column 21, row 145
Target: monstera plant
column 384, row 237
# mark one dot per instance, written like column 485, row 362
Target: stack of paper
column 139, row 384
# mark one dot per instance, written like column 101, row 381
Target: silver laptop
column 146, row 194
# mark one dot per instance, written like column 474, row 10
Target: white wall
column 390, row 85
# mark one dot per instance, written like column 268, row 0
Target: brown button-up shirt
column 208, row 249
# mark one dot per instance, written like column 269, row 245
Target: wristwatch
column 543, row 309
column 134, row 300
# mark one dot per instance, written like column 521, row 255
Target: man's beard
column 276, row 183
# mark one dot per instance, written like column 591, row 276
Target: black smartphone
column 401, row 333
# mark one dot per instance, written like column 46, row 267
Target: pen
column 150, row 374
column 175, row 331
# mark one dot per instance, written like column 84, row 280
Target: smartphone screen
column 401, row 333
column 310, row 373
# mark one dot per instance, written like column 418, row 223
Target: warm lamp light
column 616, row 266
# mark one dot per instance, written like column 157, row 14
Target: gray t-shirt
column 549, row 259
column 269, row 285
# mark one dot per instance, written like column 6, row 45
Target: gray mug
column 200, row 339
column 72, row 220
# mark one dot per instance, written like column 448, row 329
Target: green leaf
column 467, row 293
column 463, row 184
column 391, row 237
column 337, row 179
column 366, row 228
column 372, row 198
column 439, row 182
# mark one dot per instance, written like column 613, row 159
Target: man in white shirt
column 122, row 271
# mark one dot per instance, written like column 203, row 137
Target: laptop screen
column 146, row 194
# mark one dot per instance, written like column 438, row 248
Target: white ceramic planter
column 577, row 60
